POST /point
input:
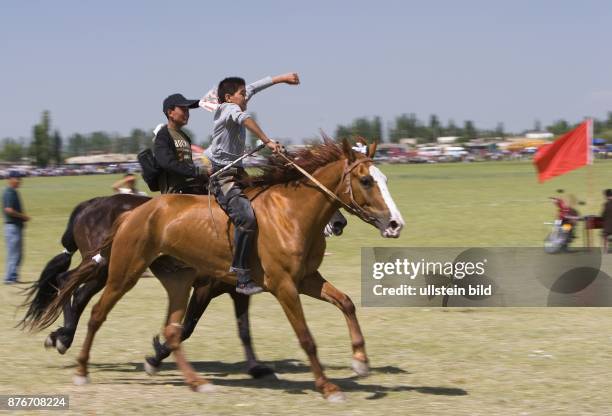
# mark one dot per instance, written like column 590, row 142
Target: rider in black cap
column 173, row 149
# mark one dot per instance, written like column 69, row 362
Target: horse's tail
column 40, row 294
column 88, row 270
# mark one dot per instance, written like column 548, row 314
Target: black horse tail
column 40, row 294
column 89, row 269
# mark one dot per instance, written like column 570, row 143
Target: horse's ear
column 348, row 152
column 372, row 149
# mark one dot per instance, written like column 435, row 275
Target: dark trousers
column 237, row 206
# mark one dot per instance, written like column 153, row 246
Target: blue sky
column 108, row 65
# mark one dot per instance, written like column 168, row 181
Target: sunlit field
column 454, row 361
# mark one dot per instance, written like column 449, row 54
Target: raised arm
column 290, row 78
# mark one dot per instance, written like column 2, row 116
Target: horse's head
column 365, row 191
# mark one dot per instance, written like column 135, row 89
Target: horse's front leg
column 287, row 295
column 315, row 286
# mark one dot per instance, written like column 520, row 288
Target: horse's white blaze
column 381, row 181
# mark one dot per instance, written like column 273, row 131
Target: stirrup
column 248, row 288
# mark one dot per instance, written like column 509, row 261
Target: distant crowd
column 387, row 153
column 69, row 170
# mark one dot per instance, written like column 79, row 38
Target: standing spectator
column 13, row 227
column 607, row 219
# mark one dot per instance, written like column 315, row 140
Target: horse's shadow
column 218, row 372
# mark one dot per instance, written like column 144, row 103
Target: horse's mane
column 276, row 170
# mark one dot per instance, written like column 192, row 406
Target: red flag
column 568, row 152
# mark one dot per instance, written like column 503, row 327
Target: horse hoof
column 260, row 371
column 150, row 369
column 61, row 348
column 49, row 342
column 206, row 388
column 268, row 376
column 360, row 368
column 336, row 397
column 78, row 380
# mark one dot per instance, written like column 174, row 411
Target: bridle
column 353, row 207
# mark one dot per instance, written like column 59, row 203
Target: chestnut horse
column 88, row 226
column 291, row 215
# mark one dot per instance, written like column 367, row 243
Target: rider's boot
column 243, row 241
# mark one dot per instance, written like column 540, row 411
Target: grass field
column 512, row 361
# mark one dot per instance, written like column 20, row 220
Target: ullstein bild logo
column 484, row 277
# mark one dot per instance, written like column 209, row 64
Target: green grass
column 424, row 361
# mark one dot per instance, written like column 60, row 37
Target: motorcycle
column 563, row 228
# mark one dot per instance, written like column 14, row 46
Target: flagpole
column 590, row 140
column 589, row 169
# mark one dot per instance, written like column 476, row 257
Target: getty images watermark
column 411, row 269
column 484, row 277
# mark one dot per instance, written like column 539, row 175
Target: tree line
column 409, row 126
column 47, row 147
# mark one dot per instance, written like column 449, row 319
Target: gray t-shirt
column 229, row 134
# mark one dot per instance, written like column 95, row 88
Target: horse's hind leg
column 51, row 340
column 241, row 310
column 202, row 295
column 315, row 285
column 123, row 275
column 64, row 335
column 178, row 288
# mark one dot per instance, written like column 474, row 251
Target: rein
column 219, row 172
column 354, row 208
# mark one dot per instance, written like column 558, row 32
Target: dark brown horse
column 291, row 214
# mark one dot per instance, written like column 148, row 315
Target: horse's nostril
column 393, row 225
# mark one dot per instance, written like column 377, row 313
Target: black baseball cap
column 175, row 100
